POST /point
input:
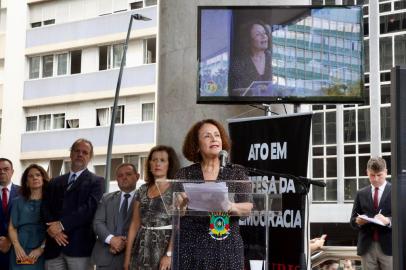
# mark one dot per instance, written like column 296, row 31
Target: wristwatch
column 169, row 253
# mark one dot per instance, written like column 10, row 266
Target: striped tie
column 71, row 181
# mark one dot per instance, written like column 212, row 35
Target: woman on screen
column 251, row 69
column 148, row 242
column 198, row 247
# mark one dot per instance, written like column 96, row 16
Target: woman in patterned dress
column 198, row 249
column 149, row 244
column 26, row 229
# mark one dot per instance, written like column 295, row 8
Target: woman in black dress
column 253, row 62
column 198, row 248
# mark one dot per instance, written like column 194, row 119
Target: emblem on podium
column 219, row 225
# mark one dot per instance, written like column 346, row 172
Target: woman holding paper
column 212, row 242
column 149, row 236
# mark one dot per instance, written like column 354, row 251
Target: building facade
column 345, row 136
column 59, row 64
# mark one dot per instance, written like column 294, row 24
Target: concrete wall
column 177, row 77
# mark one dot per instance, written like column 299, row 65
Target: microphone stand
column 302, row 181
column 117, row 95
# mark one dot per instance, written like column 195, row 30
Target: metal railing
column 334, row 253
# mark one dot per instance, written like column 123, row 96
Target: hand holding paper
column 372, row 220
column 207, row 196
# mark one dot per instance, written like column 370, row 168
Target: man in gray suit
column 112, row 219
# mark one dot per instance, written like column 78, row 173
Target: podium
column 206, row 220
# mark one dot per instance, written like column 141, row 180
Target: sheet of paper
column 373, row 220
column 207, row 196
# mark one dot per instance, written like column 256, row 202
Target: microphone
column 140, row 17
column 313, row 182
column 223, row 157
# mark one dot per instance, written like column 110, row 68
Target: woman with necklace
column 149, row 243
column 26, row 230
column 198, row 248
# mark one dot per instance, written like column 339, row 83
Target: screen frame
column 232, row 100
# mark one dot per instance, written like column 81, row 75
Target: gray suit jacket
column 105, row 223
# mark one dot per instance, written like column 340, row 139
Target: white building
column 59, row 64
column 59, row 67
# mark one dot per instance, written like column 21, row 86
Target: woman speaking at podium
column 198, row 247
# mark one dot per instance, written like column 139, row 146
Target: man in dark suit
column 68, row 208
column 8, row 191
column 374, row 241
column 112, row 219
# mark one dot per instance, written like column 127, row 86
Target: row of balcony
column 65, row 88
column 61, row 140
column 90, row 31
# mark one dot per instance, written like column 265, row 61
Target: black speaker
column 398, row 168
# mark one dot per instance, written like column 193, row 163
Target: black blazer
column 363, row 204
column 75, row 208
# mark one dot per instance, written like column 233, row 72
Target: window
column 55, row 168
column 366, row 55
column 31, row 124
column 133, row 159
column 385, row 53
column 101, row 169
column 143, row 160
column 36, row 24
column 385, row 93
column 58, row 121
column 42, row 23
column 34, row 67
column 47, row 65
column 44, row 122
column 148, row 111
column 110, row 56
column 48, row 22
column 149, row 50
column 150, row 3
column 392, row 23
column 385, row 123
column 72, row 123
column 103, row 116
column 400, row 50
column 58, row 64
column 62, row 64
column 119, row 114
column 136, row 5
column 76, row 62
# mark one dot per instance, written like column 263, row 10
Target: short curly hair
column 190, row 147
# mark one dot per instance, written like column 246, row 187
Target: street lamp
column 137, row 17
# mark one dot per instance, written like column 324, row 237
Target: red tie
column 375, row 236
column 4, row 200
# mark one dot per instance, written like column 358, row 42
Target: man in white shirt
column 112, row 219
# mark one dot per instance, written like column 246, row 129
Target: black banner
column 276, row 145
